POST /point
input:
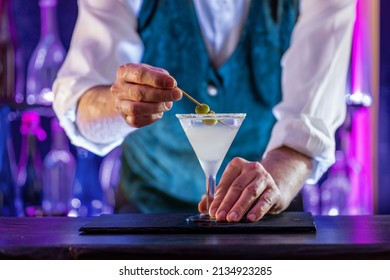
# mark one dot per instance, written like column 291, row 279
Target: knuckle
column 137, row 75
column 120, row 71
column 268, row 199
column 219, row 194
column 141, row 93
column 236, row 187
column 252, row 190
column 268, row 176
column 236, row 161
column 255, row 166
column 263, row 210
column 114, row 88
column 136, row 93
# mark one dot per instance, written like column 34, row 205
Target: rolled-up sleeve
column 314, row 81
column 104, row 37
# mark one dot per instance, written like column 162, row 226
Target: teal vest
column 160, row 172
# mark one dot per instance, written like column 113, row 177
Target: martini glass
column 210, row 136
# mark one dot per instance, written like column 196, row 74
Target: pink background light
column 360, row 139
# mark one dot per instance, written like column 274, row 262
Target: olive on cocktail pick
column 212, row 120
column 205, row 110
column 202, row 109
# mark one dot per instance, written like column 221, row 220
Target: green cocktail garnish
column 202, row 108
column 212, row 120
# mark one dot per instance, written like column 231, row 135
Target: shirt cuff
column 65, row 101
column 308, row 136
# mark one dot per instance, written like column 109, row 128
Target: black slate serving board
column 286, row 222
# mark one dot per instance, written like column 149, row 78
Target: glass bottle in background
column 46, row 59
column 11, row 60
column 7, row 167
column 87, row 191
column 109, row 175
column 336, row 187
column 58, row 173
column 29, row 173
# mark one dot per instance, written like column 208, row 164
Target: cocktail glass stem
column 210, row 190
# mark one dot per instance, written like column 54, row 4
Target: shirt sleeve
column 104, row 37
column 314, row 80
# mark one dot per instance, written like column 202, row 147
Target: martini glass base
column 201, row 218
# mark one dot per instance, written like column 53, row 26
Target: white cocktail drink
column 211, row 144
column 210, row 136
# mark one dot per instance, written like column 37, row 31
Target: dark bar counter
column 337, row 237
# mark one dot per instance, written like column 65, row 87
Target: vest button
column 212, row 89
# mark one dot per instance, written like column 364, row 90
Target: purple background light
column 360, row 138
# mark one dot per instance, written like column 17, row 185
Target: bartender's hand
column 142, row 93
column 250, row 190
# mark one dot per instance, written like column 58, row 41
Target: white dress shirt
column 314, row 67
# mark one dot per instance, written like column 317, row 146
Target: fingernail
column 176, row 94
column 168, row 105
column 169, row 83
column 232, row 216
column 221, row 215
column 251, row 217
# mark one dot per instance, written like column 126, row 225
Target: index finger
column 233, row 170
column 144, row 74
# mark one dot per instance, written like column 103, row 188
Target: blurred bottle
column 87, row 191
column 59, row 168
column 46, row 59
column 7, row 167
column 11, row 60
column 29, row 173
column 335, row 189
column 109, row 175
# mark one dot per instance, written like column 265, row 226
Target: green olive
column 202, row 109
column 212, row 120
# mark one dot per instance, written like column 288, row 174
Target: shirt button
column 212, row 90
